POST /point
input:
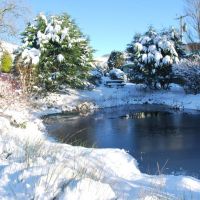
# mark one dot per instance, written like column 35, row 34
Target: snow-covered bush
column 187, row 73
column 58, row 50
column 117, row 74
column 153, row 55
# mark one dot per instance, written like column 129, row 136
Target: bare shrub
column 10, row 93
column 187, row 74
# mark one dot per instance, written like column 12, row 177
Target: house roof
column 192, row 47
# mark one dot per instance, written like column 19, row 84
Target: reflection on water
column 143, row 115
column 156, row 136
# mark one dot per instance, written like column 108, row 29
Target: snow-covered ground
column 34, row 167
column 102, row 97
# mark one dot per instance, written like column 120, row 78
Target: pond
column 162, row 140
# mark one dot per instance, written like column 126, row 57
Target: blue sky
column 111, row 24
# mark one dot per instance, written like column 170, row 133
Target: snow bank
column 33, row 167
column 102, row 97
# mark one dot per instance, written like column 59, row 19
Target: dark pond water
column 157, row 136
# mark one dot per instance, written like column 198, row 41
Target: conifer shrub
column 6, row 62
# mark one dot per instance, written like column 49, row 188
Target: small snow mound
column 88, row 189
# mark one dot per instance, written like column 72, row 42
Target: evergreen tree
column 116, row 59
column 58, row 49
column 153, row 55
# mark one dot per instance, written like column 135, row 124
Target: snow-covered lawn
column 34, row 167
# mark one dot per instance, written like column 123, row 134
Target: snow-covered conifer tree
column 58, row 49
column 153, row 55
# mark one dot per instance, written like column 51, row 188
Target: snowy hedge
column 58, row 49
column 187, row 74
column 153, row 55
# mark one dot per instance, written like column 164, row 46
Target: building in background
column 192, row 48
